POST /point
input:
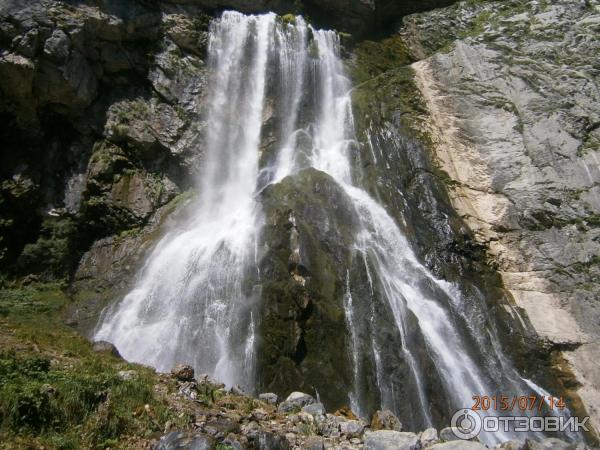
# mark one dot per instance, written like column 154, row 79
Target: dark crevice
column 301, row 350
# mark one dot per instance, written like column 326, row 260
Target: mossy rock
column 303, row 326
column 372, row 58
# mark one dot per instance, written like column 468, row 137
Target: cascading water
column 191, row 301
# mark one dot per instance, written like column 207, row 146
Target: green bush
column 52, row 253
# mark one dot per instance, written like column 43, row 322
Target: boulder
column 314, row 409
column 189, row 389
column 385, row 420
column 271, row 441
column 352, row 428
column 447, row 434
column 295, row 401
column 269, row 397
column 233, row 443
column 106, row 347
column 250, row 430
column 390, row 440
column 428, row 437
column 183, row 372
column 180, row 440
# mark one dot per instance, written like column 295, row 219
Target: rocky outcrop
column 226, row 418
column 303, row 291
column 511, row 93
column 106, row 100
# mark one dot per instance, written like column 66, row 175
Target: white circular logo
column 466, row 423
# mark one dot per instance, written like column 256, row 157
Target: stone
column 189, row 389
column 57, row 46
column 547, row 444
column 106, row 347
column 269, row 397
column 447, row 434
column 314, row 409
column 180, row 440
column 259, row 414
column 305, row 417
column 28, row 43
column 385, row 420
column 390, row 440
column 237, row 390
column 428, row 437
column 352, row 428
column 183, row 372
column 312, row 443
column 329, row 425
column 511, row 445
column 185, row 32
column 222, row 427
column 295, row 401
column 271, row 441
column 310, row 194
column 127, row 375
column 458, row 445
column 251, row 429
column 231, row 441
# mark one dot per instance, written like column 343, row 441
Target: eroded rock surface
column 512, row 90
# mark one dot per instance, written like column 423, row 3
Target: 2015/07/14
column 519, row 402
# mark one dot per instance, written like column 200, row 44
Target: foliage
column 58, row 393
column 52, row 253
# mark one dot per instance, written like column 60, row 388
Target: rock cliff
column 512, row 95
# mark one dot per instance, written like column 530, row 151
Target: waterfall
column 191, row 301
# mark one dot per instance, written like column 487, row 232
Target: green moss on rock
column 303, row 326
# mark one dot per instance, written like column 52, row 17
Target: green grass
column 56, row 392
